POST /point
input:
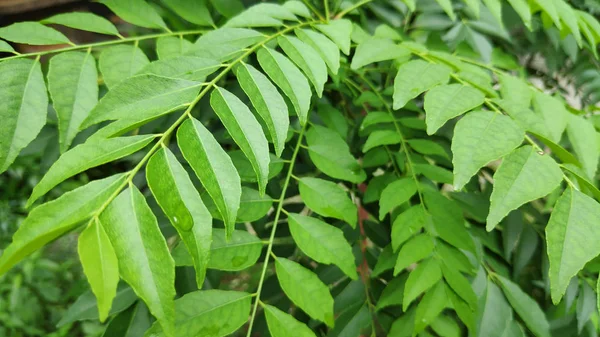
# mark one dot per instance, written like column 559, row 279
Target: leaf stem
column 351, row 8
column 326, row 5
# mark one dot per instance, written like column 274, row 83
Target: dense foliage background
column 302, row 168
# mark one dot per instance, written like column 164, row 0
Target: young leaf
column 118, row 63
column 208, row 313
column 55, row 218
column 380, row 138
column 328, row 199
column 395, row 194
column 476, row 142
column 407, row 224
column 33, row 33
column 144, row 259
column 245, row 131
column 282, row 324
column 305, row 290
column 430, row 306
column 83, row 21
column 415, row 77
column 213, row 167
column 322, row 242
column 414, row 250
column 267, row 101
column 137, row 12
column 584, row 139
column 178, row 198
column 445, row 102
column 24, row 107
column 423, row 277
column 85, row 156
column 224, row 43
column 288, row 78
column 377, row 50
column 193, row 11
column 327, row 49
column 338, row 31
column 100, row 265
column 307, row 59
column 523, row 176
column 73, row 86
column 570, row 235
column 168, row 47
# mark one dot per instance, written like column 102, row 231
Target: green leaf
column 288, row 78
column 586, row 305
column 322, row 242
column 305, row 290
column 267, row 101
column 83, row 21
column 479, row 138
column 100, row 265
column 85, row 156
column 527, row 308
column 225, row 43
column 428, row 147
column 458, row 283
column 328, row 50
column 584, row 139
column 33, row 33
column 253, row 205
column 137, row 12
column 339, row 31
column 447, row 7
column 380, row 138
column 515, row 92
column 448, row 220
column 245, row 170
column 330, row 154
column 393, row 293
column 73, row 86
column 328, row 199
column 210, row 313
column 407, row 224
column 553, row 112
column 375, row 118
column 24, row 107
column 228, row 8
column 283, row 325
column 245, row 131
column 569, row 18
column 377, row 50
column 130, row 323
column 435, row 173
column 178, row 198
column 143, row 97
column 423, row 277
column 414, row 250
column 55, row 218
column 495, row 315
column 262, row 15
column 307, row 59
column 548, row 6
column 144, row 259
column 445, row 102
column 395, row 194
column 571, row 235
column 168, row 47
column 184, row 67
column 5, row 47
column 522, row 8
column 118, row 63
column 213, row 167
column 415, row 77
column 473, row 6
column 523, row 176
column 430, row 306
column 193, row 11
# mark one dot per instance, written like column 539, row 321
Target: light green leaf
column 447, row 7
column 435, row 173
column 548, row 6
column 73, row 86
column 262, row 15
column 414, row 250
column 445, row 102
column 415, row 77
column 5, row 47
column 495, row 315
column 327, row 49
column 288, row 78
column 473, row 6
column 584, row 139
column 193, row 11
column 137, row 12
column 377, row 50
column 430, row 306
column 225, row 43
column 118, row 63
column 586, row 305
column 253, row 205
column 569, row 18
column 328, row 199
column 380, row 138
column 143, row 96
column 527, row 308
column 178, row 198
column 283, row 325
column 423, row 277
column 395, row 194
column 374, row 118
column 458, row 283
column 83, row 21
column 297, row 7
column 24, row 107
column 479, row 138
column 185, row 67
column 85, row 156
column 267, row 101
column 305, row 290
column 407, row 224
column 171, row 47
column 33, row 33
column 523, row 176
column 522, row 8
column 571, row 236
column 428, row 147
column 100, row 265
column 515, row 92
column 339, row 31
column 245, row 131
column 322, row 242
column 55, row 218
column 208, row 313
column 553, row 112
column 446, row 326
column 213, row 167
column 144, row 260
column 228, row 8
column 307, row 59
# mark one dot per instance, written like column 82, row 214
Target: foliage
column 417, row 184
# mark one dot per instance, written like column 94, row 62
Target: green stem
column 326, row 5
column 313, row 9
column 351, row 8
column 275, row 222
